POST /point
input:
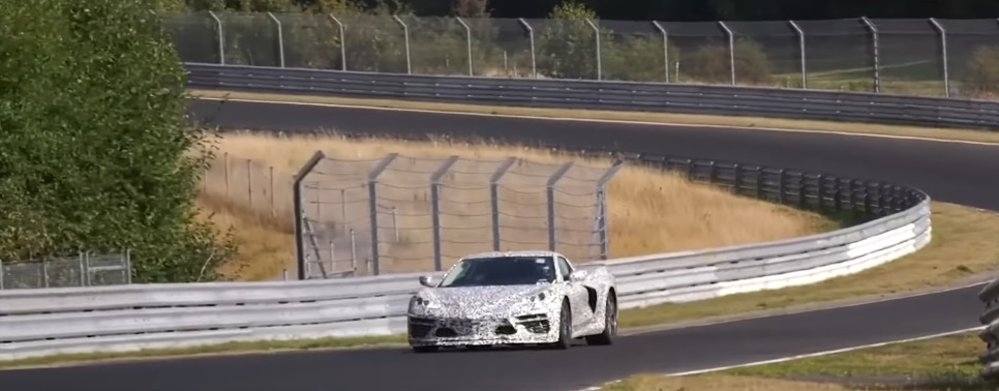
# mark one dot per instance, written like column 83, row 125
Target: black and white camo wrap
column 506, row 315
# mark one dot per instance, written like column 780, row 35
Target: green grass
column 938, row 364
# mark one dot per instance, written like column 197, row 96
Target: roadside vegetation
column 939, row 364
column 95, row 151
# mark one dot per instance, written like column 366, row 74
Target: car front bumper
column 535, row 328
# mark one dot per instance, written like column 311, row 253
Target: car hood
column 481, row 300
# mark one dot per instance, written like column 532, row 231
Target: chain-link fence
column 909, row 56
column 407, row 214
column 85, row 269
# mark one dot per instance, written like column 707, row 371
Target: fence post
column 801, row 45
column 128, row 266
column 731, row 49
column 494, row 198
column 405, row 32
column 218, row 23
column 353, row 251
column 273, row 214
column 83, row 269
column 530, row 35
column 665, row 48
column 298, row 211
column 468, row 41
column 550, row 190
column 943, row 49
column 280, row 38
column 602, row 205
column 249, row 183
column 435, row 204
column 226, row 171
column 343, row 43
column 875, row 39
column 1, row 274
column 45, row 273
column 596, row 32
column 373, row 206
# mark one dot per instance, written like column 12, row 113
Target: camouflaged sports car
column 513, row 298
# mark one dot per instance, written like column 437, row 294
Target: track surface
column 960, row 173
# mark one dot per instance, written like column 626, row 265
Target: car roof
column 522, row 253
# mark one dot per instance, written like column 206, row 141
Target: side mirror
column 578, row 275
column 426, row 281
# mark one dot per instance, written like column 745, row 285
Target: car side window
column 564, row 268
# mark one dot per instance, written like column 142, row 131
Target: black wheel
column 610, row 325
column 424, row 349
column 564, row 327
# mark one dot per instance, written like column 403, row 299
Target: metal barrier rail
column 589, row 94
column 120, row 318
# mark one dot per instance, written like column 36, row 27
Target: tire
column 424, row 349
column 610, row 325
column 565, row 327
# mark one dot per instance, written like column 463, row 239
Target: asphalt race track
column 953, row 172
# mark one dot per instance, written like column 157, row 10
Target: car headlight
column 538, row 297
column 419, row 304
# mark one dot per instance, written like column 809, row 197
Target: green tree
column 95, row 151
column 567, row 44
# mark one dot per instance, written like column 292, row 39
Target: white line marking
column 826, row 353
column 611, row 121
column 791, row 311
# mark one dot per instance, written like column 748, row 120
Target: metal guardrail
column 77, row 320
column 588, row 94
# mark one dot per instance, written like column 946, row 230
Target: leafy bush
column 566, row 43
column 95, row 153
column 981, row 74
column 710, row 63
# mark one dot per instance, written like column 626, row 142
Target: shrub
column 95, row 152
column 710, row 63
column 981, row 75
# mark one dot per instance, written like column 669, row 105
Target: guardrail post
column 468, row 42
column 943, row 50
column 665, row 48
column 218, row 24
column 435, row 204
column 530, row 35
column 731, row 48
column 602, row 205
column 494, row 198
column 781, row 183
column 343, row 43
column 801, row 48
column 760, row 172
column 373, row 206
column 550, row 191
column 736, row 178
column 596, row 33
column 405, row 32
column 875, row 40
column 280, row 37
column 299, row 211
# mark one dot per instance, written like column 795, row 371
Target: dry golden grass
column 692, row 119
column 937, row 364
column 649, row 211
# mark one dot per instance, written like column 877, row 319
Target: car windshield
column 501, row 271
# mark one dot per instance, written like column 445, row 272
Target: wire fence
column 246, row 187
column 85, row 269
column 911, row 56
column 405, row 214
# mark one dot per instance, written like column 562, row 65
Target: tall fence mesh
column 905, row 56
column 400, row 214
